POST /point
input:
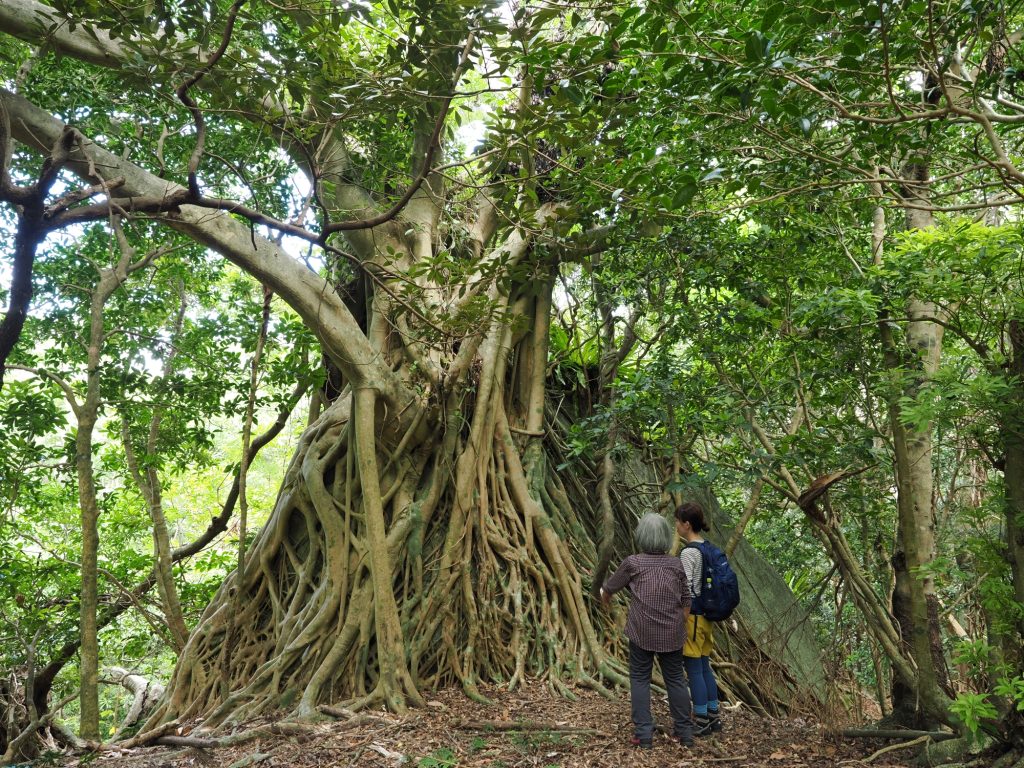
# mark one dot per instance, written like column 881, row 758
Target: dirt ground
column 454, row 732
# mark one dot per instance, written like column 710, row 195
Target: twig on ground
column 894, row 747
column 507, row 725
column 896, row 733
column 359, row 749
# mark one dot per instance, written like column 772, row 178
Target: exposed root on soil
column 389, row 568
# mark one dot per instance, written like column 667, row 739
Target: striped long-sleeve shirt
column 660, row 595
column 692, row 561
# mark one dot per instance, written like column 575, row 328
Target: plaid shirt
column 660, row 595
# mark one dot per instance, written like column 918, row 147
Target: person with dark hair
column 654, row 625
column 690, row 523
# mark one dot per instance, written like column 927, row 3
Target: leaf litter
column 529, row 727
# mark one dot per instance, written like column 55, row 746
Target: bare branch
column 189, row 102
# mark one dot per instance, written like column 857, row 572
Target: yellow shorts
column 698, row 637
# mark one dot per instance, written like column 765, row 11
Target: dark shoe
column 701, row 726
column 639, row 744
column 685, row 741
column 716, row 722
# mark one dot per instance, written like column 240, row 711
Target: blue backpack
column 719, row 588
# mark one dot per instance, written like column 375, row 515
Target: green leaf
column 685, row 191
column 772, row 15
column 754, row 47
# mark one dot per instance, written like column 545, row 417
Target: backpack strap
column 696, row 606
column 697, row 545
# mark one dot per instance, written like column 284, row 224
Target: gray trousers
column 641, row 663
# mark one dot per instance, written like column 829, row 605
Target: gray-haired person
column 656, row 626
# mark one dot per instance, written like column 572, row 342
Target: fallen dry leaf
column 431, row 737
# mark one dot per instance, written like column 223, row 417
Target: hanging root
column 482, row 554
column 449, row 554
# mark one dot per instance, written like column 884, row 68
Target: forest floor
column 454, row 732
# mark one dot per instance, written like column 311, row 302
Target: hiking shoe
column 685, row 741
column 637, row 742
column 701, row 726
column 716, row 722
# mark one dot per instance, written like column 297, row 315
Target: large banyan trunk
column 447, row 555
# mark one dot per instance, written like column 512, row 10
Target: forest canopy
column 344, row 343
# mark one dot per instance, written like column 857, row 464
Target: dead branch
column 145, row 692
column 895, row 733
column 526, row 725
column 894, row 747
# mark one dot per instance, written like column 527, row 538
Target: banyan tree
column 428, row 530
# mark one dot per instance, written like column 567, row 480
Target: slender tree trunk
column 147, row 478
column 881, row 694
column 607, row 369
column 1012, row 428
column 904, row 700
column 915, row 604
column 612, row 355
column 166, row 587
column 149, row 484
column 86, row 416
column 89, row 727
column 873, row 558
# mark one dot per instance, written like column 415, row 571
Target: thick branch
column 31, row 231
column 144, row 692
column 37, row 23
column 428, row 160
column 311, row 296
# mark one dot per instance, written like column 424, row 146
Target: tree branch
column 432, row 146
column 197, row 114
column 312, row 297
column 30, row 211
